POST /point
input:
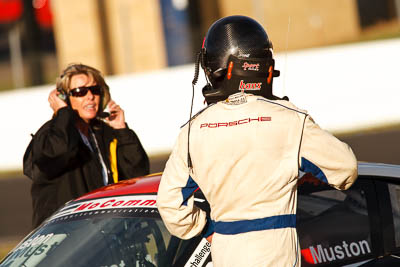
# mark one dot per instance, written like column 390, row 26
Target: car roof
column 141, row 185
column 149, row 184
column 379, row 169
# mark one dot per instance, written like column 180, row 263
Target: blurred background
column 38, row 38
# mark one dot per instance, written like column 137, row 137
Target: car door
column 337, row 228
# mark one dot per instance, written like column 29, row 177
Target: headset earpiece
column 62, row 95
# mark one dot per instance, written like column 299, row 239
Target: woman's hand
column 117, row 116
column 55, row 102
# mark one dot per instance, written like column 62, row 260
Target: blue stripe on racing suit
column 188, row 190
column 273, row 222
column 308, row 166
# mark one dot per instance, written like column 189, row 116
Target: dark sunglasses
column 82, row 91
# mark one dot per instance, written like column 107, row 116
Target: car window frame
column 367, row 183
column 386, row 214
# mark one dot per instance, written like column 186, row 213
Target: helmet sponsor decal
column 234, row 123
column 236, row 99
column 249, row 86
column 249, row 66
column 200, row 254
column 318, row 254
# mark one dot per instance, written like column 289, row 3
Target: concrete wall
column 115, row 36
column 134, row 32
column 78, row 33
column 301, row 23
column 125, row 36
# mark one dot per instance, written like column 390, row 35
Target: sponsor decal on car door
column 318, row 254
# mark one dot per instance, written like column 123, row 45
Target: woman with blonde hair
column 82, row 147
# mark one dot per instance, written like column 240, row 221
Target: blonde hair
column 64, row 81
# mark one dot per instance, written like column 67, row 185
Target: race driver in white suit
column 245, row 152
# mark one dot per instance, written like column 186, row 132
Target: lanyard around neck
column 97, row 150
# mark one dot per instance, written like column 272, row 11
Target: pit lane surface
column 381, row 145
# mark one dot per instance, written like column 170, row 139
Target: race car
column 119, row 225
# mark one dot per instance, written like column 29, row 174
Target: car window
column 394, row 191
column 333, row 225
column 113, row 231
column 94, row 242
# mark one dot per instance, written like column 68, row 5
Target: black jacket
column 64, row 168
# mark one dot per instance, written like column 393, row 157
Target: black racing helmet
column 237, row 56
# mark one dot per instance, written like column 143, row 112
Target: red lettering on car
column 94, row 205
column 149, row 202
column 131, row 203
column 116, row 204
column 84, row 206
column 107, row 203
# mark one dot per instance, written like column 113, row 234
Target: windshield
column 113, row 237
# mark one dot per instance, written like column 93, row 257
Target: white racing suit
column 246, row 154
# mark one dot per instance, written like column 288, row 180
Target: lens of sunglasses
column 82, row 91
